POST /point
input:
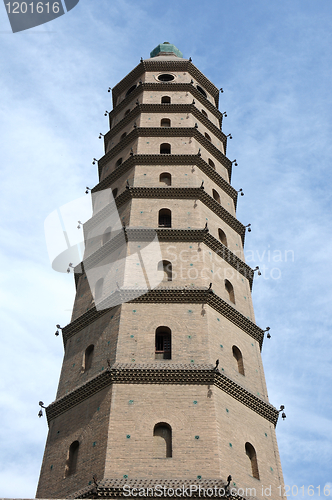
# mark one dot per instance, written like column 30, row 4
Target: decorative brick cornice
column 165, row 132
column 166, row 109
column 158, row 159
column 159, row 373
column 169, row 193
column 162, row 88
column 166, row 295
column 158, row 65
column 168, row 234
column 114, row 488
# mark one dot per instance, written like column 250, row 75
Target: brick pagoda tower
column 142, row 400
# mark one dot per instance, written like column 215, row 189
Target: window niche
column 71, row 462
column 165, row 218
column 162, row 440
column 165, row 149
column 166, row 178
column 163, row 343
column 239, row 359
column 166, row 267
column 230, row 290
column 87, row 358
column 251, row 454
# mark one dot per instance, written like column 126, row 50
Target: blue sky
column 273, row 60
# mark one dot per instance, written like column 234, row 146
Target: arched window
column 99, row 289
column 163, row 343
column 216, row 196
column 202, row 91
column 107, row 235
column 71, row 461
column 165, row 218
column 222, row 237
column 165, row 149
column 204, row 113
column 165, row 99
column 131, row 89
column 115, row 192
column 211, row 163
column 127, row 112
column 239, row 359
column 165, row 178
column 230, row 290
column 123, row 136
column 251, row 453
column 166, row 266
column 207, row 137
column 88, row 355
column 118, row 162
column 165, row 122
column 162, row 440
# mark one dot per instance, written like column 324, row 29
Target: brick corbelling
column 82, row 322
column 166, row 295
column 174, row 65
column 114, row 488
column 167, row 234
column 158, row 159
column 167, row 109
column 165, row 132
column 184, row 66
column 201, row 296
column 170, row 193
column 158, row 373
column 164, row 87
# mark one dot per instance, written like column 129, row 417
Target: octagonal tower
column 141, row 400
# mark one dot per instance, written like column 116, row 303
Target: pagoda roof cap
column 164, row 49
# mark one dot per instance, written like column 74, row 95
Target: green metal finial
column 167, row 49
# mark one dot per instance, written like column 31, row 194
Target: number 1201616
column 30, row 8
column 303, row 490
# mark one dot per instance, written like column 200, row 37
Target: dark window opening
column 165, row 77
column 202, row 91
column 131, row 89
column 216, row 196
column 165, row 149
column 251, row 453
column 127, row 112
column 163, row 343
column 166, row 267
column 207, row 137
column 165, row 218
column 239, row 359
column 211, row 163
column 123, row 136
column 118, row 163
column 115, row 192
column 230, row 290
column 204, row 113
column 71, row 462
column 166, row 99
column 222, row 237
column 166, row 178
column 88, row 355
column 162, row 440
column 165, row 122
